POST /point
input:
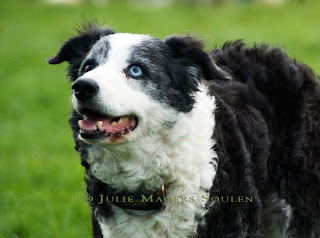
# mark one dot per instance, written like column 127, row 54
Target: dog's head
column 129, row 85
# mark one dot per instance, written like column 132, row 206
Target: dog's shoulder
column 270, row 69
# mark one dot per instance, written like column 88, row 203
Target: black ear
column 189, row 51
column 75, row 49
column 80, row 45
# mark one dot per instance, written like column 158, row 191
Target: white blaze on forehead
column 121, row 46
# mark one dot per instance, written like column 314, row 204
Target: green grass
column 40, row 173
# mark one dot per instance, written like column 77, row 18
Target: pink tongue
column 94, row 122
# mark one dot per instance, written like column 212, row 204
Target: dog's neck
column 180, row 154
column 185, row 159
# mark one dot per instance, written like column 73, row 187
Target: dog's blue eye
column 135, row 71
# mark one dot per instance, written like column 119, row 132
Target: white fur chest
column 185, row 158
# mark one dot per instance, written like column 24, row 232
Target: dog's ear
column 80, row 45
column 76, row 48
column 189, row 51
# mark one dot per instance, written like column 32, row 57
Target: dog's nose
column 85, row 89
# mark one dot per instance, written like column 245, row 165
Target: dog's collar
column 141, row 201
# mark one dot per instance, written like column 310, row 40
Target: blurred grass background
column 41, row 177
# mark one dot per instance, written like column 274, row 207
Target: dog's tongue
column 108, row 124
column 92, row 123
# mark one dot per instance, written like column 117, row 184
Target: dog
column 179, row 142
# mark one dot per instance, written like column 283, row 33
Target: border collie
column 178, row 142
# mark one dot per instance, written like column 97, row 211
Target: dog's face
column 125, row 89
column 128, row 86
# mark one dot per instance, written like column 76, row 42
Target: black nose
column 85, row 89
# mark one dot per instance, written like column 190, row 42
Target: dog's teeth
column 94, row 128
column 80, row 124
column 121, row 120
column 125, row 119
column 114, row 123
column 100, row 123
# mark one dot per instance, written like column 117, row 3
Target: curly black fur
column 268, row 141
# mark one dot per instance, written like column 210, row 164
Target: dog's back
column 275, row 103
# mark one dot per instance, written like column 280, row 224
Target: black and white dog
column 177, row 142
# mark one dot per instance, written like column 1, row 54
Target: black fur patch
column 267, row 134
column 170, row 81
column 190, row 52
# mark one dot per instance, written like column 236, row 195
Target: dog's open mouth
column 96, row 126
